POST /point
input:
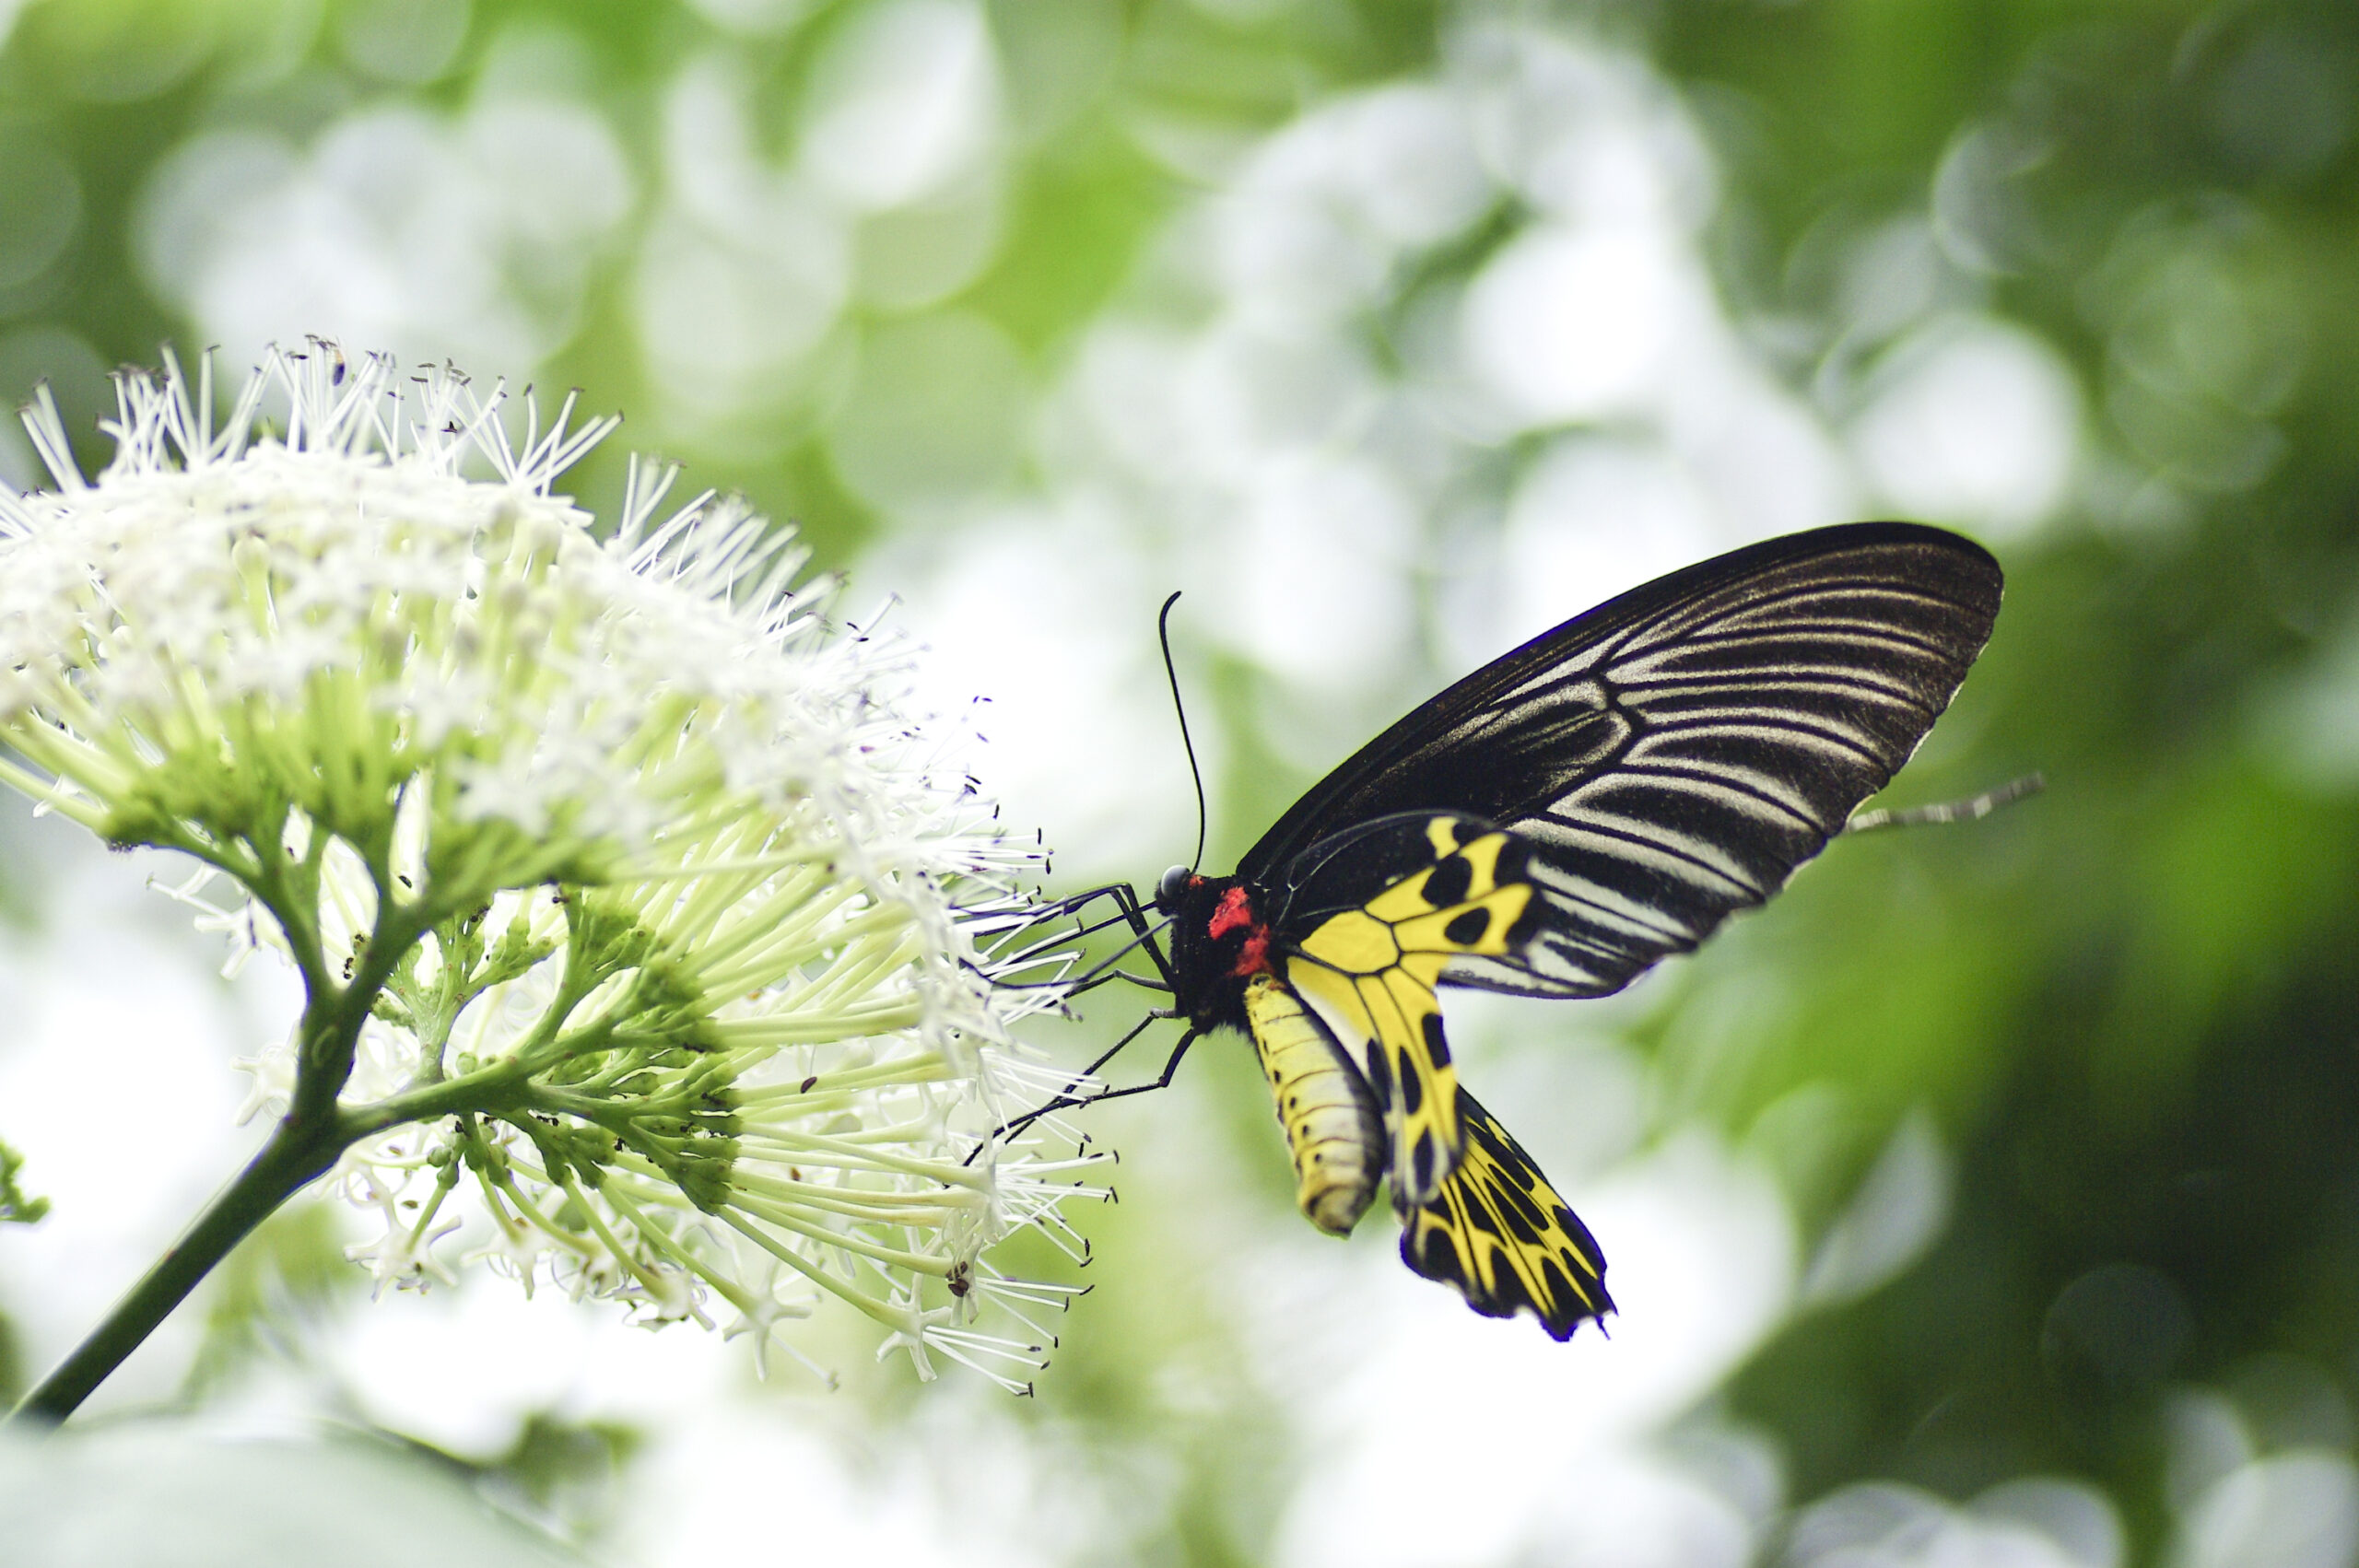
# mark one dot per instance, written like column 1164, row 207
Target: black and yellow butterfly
column 1551, row 825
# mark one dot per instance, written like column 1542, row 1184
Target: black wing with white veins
column 1672, row 756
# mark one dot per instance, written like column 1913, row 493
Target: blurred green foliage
column 2133, row 1001
column 111, row 85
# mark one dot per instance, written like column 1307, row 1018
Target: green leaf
column 15, row 1207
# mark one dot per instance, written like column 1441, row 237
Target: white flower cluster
column 651, row 928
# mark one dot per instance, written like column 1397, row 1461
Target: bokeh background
column 1992, row 1198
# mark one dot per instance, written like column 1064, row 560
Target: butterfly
column 1551, row 826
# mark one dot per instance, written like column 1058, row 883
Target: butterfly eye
column 1174, row 884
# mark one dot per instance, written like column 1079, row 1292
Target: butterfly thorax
column 1219, row 941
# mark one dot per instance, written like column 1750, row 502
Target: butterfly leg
column 1129, row 912
column 1162, row 1079
column 1107, row 972
column 1134, row 913
column 1973, row 809
column 1067, row 1102
column 1109, row 969
column 1126, row 898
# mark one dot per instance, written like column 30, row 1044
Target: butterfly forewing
column 1499, row 1233
column 1672, row 755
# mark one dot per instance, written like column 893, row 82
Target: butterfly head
column 1173, row 888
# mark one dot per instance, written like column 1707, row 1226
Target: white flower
column 643, row 931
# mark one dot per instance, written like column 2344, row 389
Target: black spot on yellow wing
column 1379, row 1076
column 1447, row 883
column 1499, row 1232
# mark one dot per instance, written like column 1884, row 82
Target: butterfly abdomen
column 1332, row 1122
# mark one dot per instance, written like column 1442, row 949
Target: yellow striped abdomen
column 1332, row 1122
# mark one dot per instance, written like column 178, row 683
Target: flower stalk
column 295, row 1156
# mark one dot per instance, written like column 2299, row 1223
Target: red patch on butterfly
column 1236, row 909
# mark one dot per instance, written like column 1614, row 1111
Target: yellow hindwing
column 1372, row 973
column 1499, row 1233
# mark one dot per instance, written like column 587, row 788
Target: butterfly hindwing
column 1499, row 1233
column 1377, row 916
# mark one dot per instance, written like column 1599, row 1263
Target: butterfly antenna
column 1171, row 672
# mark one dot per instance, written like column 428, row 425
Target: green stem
column 307, row 1140
column 486, row 1091
column 295, row 1154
